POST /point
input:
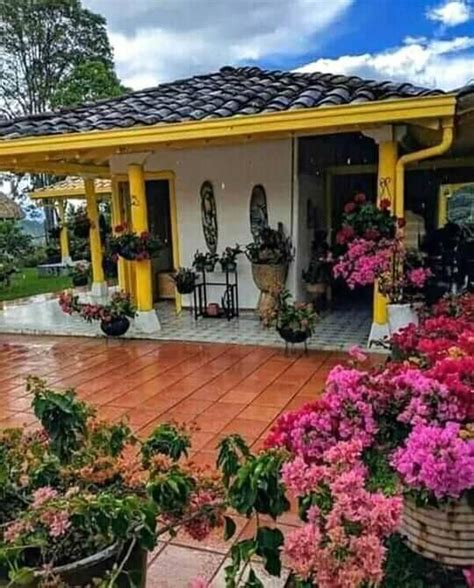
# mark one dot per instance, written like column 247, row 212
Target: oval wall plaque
column 258, row 209
column 209, row 216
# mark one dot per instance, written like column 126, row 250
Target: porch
column 41, row 315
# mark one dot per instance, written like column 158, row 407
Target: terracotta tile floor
column 222, row 388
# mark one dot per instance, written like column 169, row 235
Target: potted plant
column 294, row 321
column 81, row 223
column 81, row 498
column 210, row 261
column 402, row 284
column 113, row 316
column 80, row 274
column 318, row 274
column 133, row 246
column 184, row 279
column 270, row 255
column 199, row 261
column 228, row 259
column 436, row 466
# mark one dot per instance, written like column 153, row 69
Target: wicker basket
column 268, row 278
column 444, row 534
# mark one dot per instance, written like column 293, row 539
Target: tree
column 51, row 51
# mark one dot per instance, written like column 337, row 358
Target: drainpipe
column 446, row 142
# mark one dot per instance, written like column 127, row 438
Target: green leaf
column 253, row 581
column 269, row 543
column 229, row 528
column 23, row 576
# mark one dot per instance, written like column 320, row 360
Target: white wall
column 233, row 171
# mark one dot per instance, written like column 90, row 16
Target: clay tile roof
column 232, row 91
column 70, row 187
column 9, row 209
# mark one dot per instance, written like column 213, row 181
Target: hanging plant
column 81, row 224
column 133, row 246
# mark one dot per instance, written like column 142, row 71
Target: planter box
column 400, row 316
column 444, row 534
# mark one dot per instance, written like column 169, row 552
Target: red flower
column 119, row 229
column 145, row 235
column 360, row 198
column 371, row 234
column 385, row 203
column 401, row 222
column 349, row 207
column 346, row 234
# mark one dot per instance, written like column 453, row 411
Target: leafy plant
column 229, row 256
column 270, row 247
column 120, row 305
column 62, row 415
column 296, row 316
column 184, row 279
column 167, row 440
column 133, row 246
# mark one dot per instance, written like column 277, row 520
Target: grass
column 27, row 283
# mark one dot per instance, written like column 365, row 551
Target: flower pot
column 209, row 266
column 444, row 534
column 400, row 316
column 268, row 278
column 185, row 288
column 291, row 336
column 84, row 571
column 230, row 266
column 116, row 327
column 79, row 280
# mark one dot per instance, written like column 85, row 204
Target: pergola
column 76, row 188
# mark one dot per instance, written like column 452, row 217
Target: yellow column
column 388, row 153
column 63, row 237
column 118, row 219
column 99, row 286
column 144, row 291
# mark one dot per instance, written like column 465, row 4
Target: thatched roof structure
column 9, row 209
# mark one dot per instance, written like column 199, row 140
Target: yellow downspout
column 446, row 142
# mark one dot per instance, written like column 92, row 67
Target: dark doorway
column 159, row 223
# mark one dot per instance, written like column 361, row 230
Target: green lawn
column 27, row 283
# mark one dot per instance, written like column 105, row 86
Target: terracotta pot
column 115, row 328
column 444, row 534
column 84, row 571
column 268, row 278
column 400, row 316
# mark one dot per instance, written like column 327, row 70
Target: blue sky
column 426, row 42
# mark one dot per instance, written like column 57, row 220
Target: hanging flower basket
column 444, row 534
column 133, row 246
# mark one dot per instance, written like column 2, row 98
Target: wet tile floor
column 223, row 388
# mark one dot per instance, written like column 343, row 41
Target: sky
column 429, row 43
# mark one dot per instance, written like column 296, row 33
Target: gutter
column 446, row 142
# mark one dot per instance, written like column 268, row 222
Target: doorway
column 160, row 225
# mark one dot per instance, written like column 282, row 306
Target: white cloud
column 446, row 64
column 162, row 40
column 450, row 14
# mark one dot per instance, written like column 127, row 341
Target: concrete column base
column 99, row 290
column 147, row 321
column 66, row 260
column 378, row 332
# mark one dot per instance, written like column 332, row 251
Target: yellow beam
column 386, row 182
column 64, row 237
column 294, row 121
column 118, row 219
column 60, row 169
column 94, row 233
column 139, row 212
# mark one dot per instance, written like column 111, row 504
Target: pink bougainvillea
column 364, row 261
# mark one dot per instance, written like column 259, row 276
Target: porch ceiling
column 70, row 187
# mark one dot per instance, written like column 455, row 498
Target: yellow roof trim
column 293, row 121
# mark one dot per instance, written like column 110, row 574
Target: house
column 304, row 142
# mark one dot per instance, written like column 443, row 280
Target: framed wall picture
column 209, row 216
column 258, row 209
